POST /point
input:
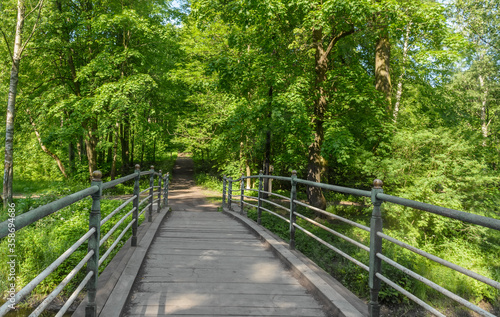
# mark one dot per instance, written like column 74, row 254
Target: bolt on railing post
column 135, row 214
column 93, row 245
column 230, row 194
column 259, row 197
column 159, row 191
column 151, row 184
column 224, row 181
column 242, row 188
column 293, row 209
column 165, row 190
column 375, row 247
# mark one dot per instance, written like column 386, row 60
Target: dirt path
column 184, row 195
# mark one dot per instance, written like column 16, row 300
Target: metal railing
column 93, row 236
column 376, row 256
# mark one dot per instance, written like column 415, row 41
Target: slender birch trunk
column 11, row 107
column 484, row 109
column 11, row 102
column 399, row 91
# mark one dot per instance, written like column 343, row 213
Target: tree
column 16, row 55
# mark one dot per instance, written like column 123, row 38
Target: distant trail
column 184, row 194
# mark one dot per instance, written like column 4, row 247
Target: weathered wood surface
column 203, row 263
column 206, row 264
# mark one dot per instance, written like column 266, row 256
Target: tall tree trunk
column 267, row 148
column 71, row 157
column 44, row 148
column 154, row 151
column 91, row 145
column 11, row 107
column 132, row 141
column 316, row 165
column 109, row 157
column 125, row 145
column 115, row 150
column 399, row 91
column 484, row 110
column 382, row 67
column 248, row 172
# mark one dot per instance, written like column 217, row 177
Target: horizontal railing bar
column 147, row 189
column 34, row 282
column 144, row 200
column 146, row 173
column 276, row 204
column 277, row 215
column 338, row 234
column 251, row 197
column 118, row 181
column 61, row 285
column 331, row 247
column 339, row 189
column 441, row 261
column 32, row 216
column 409, row 295
column 117, row 209
column 112, row 230
column 442, row 211
column 74, row 295
column 248, row 204
column 280, row 178
column 156, row 200
column 352, row 223
column 252, row 190
column 144, row 209
column 108, row 252
column 435, row 286
column 274, row 194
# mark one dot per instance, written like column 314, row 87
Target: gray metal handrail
column 92, row 236
column 376, row 235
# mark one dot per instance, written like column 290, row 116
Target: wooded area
column 341, row 91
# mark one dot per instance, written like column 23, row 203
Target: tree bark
column 91, row 145
column 46, row 150
column 125, row 145
column 267, row 147
column 382, row 67
column 71, row 157
column 484, row 110
column 399, row 91
column 11, row 107
column 115, row 150
column 316, row 163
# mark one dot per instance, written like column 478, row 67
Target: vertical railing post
column 375, row 247
column 165, row 189
column 293, row 209
column 259, row 201
column 224, row 191
column 230, row 194
column 135, row 214
column 93, row 245
column 159, row 191
column 151, row 184
column 242, row 189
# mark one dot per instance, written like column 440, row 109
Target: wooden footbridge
column 194, row 258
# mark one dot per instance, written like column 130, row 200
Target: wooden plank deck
column 207, row 264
